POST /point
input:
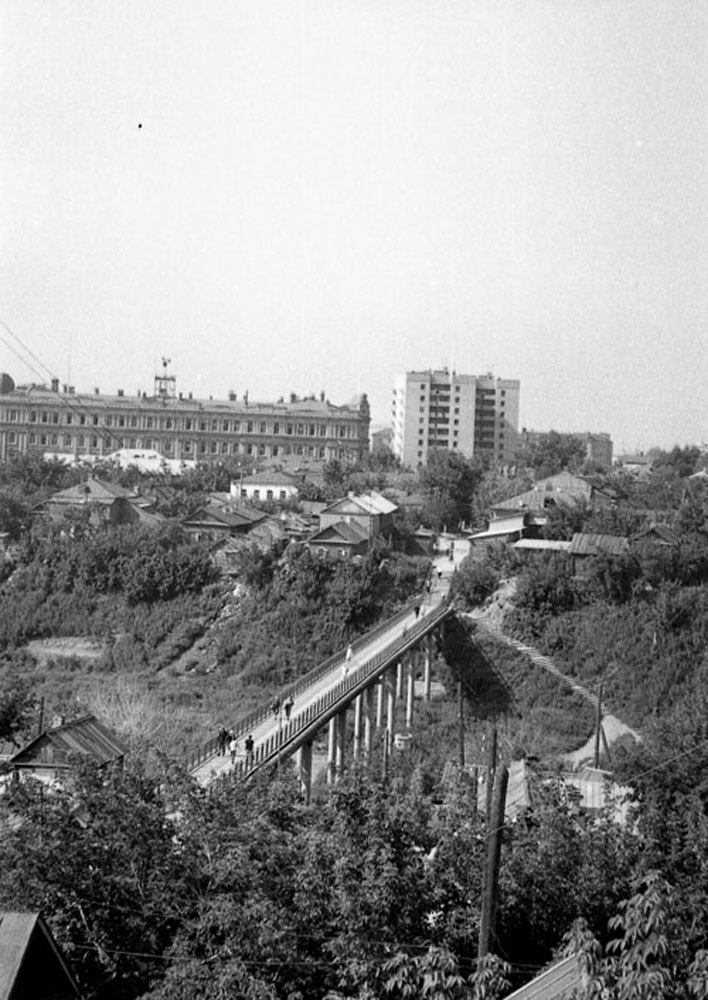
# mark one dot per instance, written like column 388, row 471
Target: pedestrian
column 349, row 653
column 248, row 747
column 233, row 748
column 417, row 611
column 223, row 740
column 275, row 707
column 439, row 574
column 345, row 670
column 288, row 707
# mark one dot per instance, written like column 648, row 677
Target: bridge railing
column 277, row 742
column 258, row 715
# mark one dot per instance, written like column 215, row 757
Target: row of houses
column 227, row 522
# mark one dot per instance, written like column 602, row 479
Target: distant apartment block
column 470, row 414
column 298, row 432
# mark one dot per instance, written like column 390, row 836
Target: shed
column 47, row 755
column 31, row 962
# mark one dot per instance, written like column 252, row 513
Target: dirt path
column 491, row 617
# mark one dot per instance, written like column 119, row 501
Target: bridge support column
column 410, row 691
column 331, row 750
column 427, row 656
column 341, row 739
column 391, row 706
column 368, row 705
column 399, row 679
column 358, row 705
column 380, row 701
column 305, row 769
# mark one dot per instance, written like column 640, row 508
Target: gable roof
column 587, row 544
column 85, row 735
column 659, row 532
column 555, row 983
column 339, row 533
column 225, row 516
column 29, row 955
column 366, row 503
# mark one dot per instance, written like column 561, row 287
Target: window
column 187, row 446
column 69, row 418
column 249, row 428
column 67, row 440
column 12, row 415
column 188, row 424
column 202, row 425
column 168, row 424
column 289, row 430
column 261, row 449
column 283, row 495
column 121, row 421
column 215, row 425
column 202, row 447
column 80, row 441
column 109, row 421
column 249, row 449
column 12, row 437
column 301, row 428
column 33, row 416
column 33, row 439
column 224, row 447
column 256, row 494
column 312, row 430
column 263, row 427
column 274, row 450
column 214, row 446
column 167, row 445
column 276, row 428
column 149, row 422
column 94, row 441
column 225, row 425
column 45, row 418
column 82, row 420
column 269, row 494
column 133, row 421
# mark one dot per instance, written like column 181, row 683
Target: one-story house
column 48, row 756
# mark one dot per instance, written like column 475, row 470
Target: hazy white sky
column 324, row 193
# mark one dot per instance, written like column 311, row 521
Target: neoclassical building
column 54, row 420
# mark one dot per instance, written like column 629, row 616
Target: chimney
column 121, row 393
column 232, row 396
column 96, row 391
column 55, row 385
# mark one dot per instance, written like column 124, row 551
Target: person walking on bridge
column 248, row 747
column 288, row 707
column 233, row 748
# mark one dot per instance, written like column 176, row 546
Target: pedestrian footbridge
column 379, row 671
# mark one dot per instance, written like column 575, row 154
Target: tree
column 17, row 707
column 448, row 481
column 548, row 454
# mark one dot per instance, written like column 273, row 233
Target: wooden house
column 48, row 756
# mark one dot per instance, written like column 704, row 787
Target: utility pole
column 495, row 826
column 491, row 767
column 598, row 725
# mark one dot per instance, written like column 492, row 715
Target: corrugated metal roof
column 586, row 544
column 86, row 736
column 556, row 983
column 340, row 531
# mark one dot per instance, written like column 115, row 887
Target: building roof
column 657, row 532
column 31, row 963
column 339, row 533
column 500, row 527
column 542, row 545
column 367, row 503
column 555, row 983
column 217, row 515
column 268, row 479
column 92, row 491
column 587, row 544
column 85, row 736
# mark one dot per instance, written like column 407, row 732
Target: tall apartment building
column 470, row 414
column 301, row 431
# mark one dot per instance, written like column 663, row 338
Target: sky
column 295, row 195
